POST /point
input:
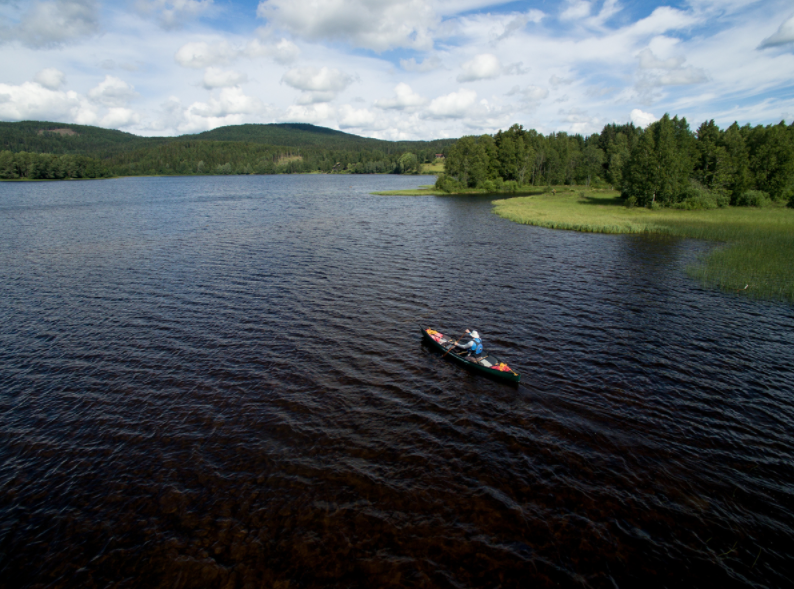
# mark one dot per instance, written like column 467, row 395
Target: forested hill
column 47, row 150
column 63, row 138
column 287, row 134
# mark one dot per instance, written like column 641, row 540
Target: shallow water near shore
column 220, row 382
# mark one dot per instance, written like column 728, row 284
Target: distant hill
column 236, row 149
column 287, row 134
column 64, row 138
column 304, row 134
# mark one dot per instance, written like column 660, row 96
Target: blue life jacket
column 477, row 349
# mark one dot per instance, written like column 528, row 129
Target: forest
column 36, row 150
column 664, row 165
column 47, row 166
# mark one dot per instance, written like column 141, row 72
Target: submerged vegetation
column 758, row 250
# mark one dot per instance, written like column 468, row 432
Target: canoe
column 489, row 364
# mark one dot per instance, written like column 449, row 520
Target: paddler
column 471, row 342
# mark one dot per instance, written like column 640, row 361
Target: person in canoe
column 471, row 344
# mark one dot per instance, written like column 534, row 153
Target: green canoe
column 483, row 365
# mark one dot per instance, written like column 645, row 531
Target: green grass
column 421, row 191
column 434, row 168
column 758, row 243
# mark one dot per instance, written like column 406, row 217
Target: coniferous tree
column 617, row 154
column 713, row 167
column 641, row 174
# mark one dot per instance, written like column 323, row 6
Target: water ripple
column 219, row 382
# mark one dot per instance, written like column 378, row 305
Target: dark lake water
column 220, row 382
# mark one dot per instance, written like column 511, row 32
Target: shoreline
column 198, row 176
column 757, row 258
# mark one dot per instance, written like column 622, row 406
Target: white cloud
column 314, row 114
column 372, row 24
column 609, row 9
column 110, row 64
column 173, row 13
column 556, row 81
column 404, row 99
column 519, row 21
column 667, row 72
column 230, row 107
column 357, row 118
column 642, row 119
column 601, row 65
column 577, row 9
column 50, row 78
column 681, row 77
column 199, row 55
column 530, row 93
column 783, row 36
column 119, row 117
column 230, row 101
column 663, row 19
column 482, row 67
column 516, row 69
column 218, row 78
column 318, row 85
column 578, row 121
column 172, row 116
column 286, row 52
column 649, row 61
column 455, row 105
column 52, row 23
column 32, row 101
column 112, row 92
column 428, row 65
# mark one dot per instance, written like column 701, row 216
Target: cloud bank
column 398, row 69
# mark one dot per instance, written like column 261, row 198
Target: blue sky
column 395, row 69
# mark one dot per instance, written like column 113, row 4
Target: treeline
column 186, row 158
column 46, row 166
column 664, row 165
column 229, row 157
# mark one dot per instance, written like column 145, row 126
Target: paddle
column 452, row 347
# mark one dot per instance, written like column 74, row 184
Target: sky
column 395, row 69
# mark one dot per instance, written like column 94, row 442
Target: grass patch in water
column 431, row 190
column 759, row 243
column 421, row 191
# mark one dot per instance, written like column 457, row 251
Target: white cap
column 475, row 334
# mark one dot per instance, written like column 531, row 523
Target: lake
column 220, row 382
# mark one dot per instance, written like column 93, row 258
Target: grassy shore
column 759, row 243
column 429, row 190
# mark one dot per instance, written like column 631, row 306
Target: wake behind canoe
column 489, row 364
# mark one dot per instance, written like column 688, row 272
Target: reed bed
column 757, row 250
